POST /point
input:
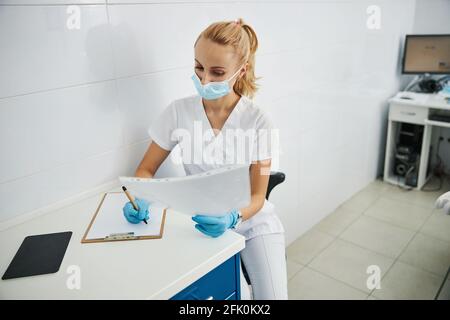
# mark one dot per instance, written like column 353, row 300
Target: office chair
column 275, row 179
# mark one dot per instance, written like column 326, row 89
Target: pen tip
column 124, row 189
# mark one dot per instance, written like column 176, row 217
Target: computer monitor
column 427, row 53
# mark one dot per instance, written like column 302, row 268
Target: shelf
column 437, row 123
column 397, row 181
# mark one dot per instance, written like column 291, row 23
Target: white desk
column 414, row 110
column 144, row 269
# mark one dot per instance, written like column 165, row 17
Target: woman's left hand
column 216, row 226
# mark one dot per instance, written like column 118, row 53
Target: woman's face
column 215, row 62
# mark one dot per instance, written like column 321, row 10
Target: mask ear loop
column 227, row 81
column 238, row 71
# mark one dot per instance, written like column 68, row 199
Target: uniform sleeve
column 263, row 144
column 163, row 126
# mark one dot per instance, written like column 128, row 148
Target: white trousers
column 264, row 259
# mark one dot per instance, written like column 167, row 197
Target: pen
column 131, row 198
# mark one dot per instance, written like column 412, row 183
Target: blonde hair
column 243, row 38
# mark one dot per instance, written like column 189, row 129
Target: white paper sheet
column 213, row 192
column 110, row 219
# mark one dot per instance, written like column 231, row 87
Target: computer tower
column 407, row 152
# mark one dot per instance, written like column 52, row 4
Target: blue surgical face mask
column 213, row 90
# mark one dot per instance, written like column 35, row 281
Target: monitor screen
column 427, row 54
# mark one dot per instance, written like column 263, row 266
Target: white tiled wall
column 75, row 105
column 39, row 53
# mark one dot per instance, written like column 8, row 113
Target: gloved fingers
column 134, row 216
column 131, row 218
column 202, row 229
column 202, row 219
column 142, row 204
column 213, row 232
column 143, row 214
column 129, row 208
column 213, row 227
column 207, row 232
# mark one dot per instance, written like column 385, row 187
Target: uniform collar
column 231, row 117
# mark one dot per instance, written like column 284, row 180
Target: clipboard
column 111, row 216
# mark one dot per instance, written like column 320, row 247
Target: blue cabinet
column 222, row 283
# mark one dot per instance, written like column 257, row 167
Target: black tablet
column 38, row 254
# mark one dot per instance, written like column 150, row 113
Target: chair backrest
column 275, row 179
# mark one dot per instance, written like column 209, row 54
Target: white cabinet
column 412, row 108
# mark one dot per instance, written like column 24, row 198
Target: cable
column 412, row 83
column 444, row 78
column 407, row 187
column 441, row 182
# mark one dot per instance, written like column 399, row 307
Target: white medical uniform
column 184, row 122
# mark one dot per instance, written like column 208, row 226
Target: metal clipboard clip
column 121, row 236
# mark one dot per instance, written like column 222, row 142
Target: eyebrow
column 216, row 67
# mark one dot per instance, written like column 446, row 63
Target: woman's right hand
column 137, row 216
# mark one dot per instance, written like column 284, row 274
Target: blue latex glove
column 216, row 226
column 134, row 216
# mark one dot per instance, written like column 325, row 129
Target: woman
column 224, row 78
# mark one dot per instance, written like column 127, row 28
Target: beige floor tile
column 347, row 262
column 438, row 225
column 415, row 197
column 379, row 187
column 310, row 285
column 444, row 294
column 376, row 225
column 428, row 253
column 399, row 213
column 378, row 236
column 292, row 268
column 405, row 282
column 338, row 221
column 361, row 201
column 304, row 249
